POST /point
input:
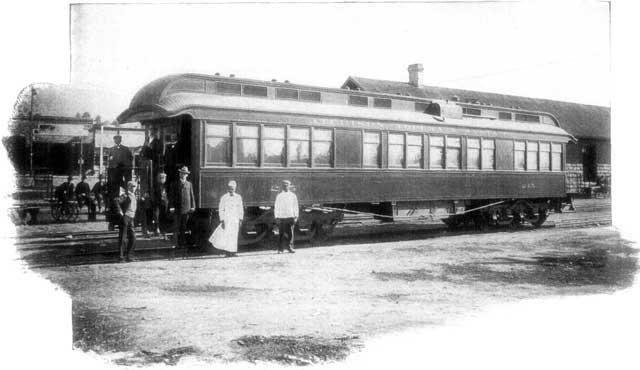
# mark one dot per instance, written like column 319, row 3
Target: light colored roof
column 580, row 120
column 157, row 100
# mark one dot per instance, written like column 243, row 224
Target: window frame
column 379, row 148
column 314, row 140
column 289, row 141
column 229, row 138
column 408, row 146
column 561, row 157
column 236, row 141
column 544, row 154
column 482, row 154
column 524, row 154
column 443, row 153
column 478, row 148
column 446, row 153
column 403, row 160
column 263, row 146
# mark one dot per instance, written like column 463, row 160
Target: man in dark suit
column 83, row 197
column 120, row 163
column 185, row 204
column 127, row 206
column 100, row 193
column 160, row 201
column 64, row 192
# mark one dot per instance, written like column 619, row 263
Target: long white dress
column 231, row 212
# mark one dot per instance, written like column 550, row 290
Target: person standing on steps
column 185, row 205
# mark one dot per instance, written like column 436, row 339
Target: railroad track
column 64, row 248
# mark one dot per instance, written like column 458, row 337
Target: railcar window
column 310, row 95
column 382, row 103
column 188, row 84
column 252, row 90
column 273, row 146
column 218, row 144
column 472, row 111
column 532, row 156
column 421, row 107
column 488, row 154
column 519, row 156
column 228, row 88
column 556, row 157
column 298, row 149
column 453, row 152
column 436, row 152
column 505, row 116
column 473, row 154
column 545, row 152
column 527, row 118
column 247, row 145
column 322, row 147
column 358, row 100
column 282, row 93
column 414, row 151
column 396, row 150
column 371, row 149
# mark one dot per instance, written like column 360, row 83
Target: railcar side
column 340, row 159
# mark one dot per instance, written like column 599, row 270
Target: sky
column 546, row 51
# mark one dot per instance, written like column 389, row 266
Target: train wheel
column 321, row 231
column 453, row 222
column 537, row 219
column 248, row 237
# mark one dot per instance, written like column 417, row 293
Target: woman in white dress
column 231, row 213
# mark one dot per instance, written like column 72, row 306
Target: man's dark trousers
column 286, row 227
column 127, row 237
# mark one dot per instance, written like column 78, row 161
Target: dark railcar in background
column 349, row 151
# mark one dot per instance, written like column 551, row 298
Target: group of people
column 83, row 194
column 160, row 204
column 231, row 214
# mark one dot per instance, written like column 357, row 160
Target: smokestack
column 415, row 74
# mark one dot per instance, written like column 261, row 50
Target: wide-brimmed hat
column 286, row 182
column 184, row 169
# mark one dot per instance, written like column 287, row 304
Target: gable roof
column 580, row 120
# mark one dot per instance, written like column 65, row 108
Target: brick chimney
column 415, row 74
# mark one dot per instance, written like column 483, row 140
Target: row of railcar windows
column 280, row 146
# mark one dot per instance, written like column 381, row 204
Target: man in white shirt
column 286, row 213
column 231, row 214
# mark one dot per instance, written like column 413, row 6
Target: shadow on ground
column 294, row 350
column 614, row 267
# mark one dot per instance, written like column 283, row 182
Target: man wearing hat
column 64, row 192
column 127, row 206
column 83, row 198
column 231, row 213
column 286, row 213
column 160, row 201
column 185, row 204
column 120, row 163
column 99, row 193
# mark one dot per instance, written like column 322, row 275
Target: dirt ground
column 323, row 303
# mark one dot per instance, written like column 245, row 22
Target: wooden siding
column 259, row 187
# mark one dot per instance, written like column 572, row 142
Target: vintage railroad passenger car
column 350, row 151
